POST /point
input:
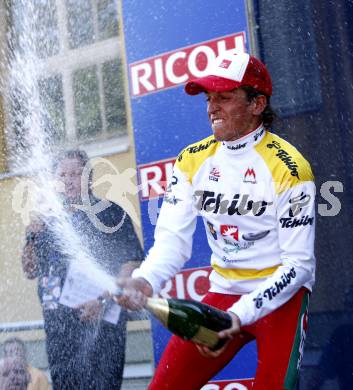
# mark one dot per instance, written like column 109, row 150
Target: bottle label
column 206, row 337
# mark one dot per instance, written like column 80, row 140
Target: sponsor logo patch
column 230, row 234
column 237, row 146
column 169, row 198
column 197, row 148
column 212, row 230
column 298, row 203
column 255, row 236
column 286, row 158
column 215, row 174
column 235, row 248
column 288, row 223
column 250, row 176
column 174, row 180
column 277, row 288
column 168, row 195
column 214, row 203
column 230, row 231
column 225, row 64
column 258, row 134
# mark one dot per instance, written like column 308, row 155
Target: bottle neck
column 160, row 308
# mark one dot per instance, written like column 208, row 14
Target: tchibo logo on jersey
column 276, row 288
column 237, row 146
column 298, row 203
column 250, row 176
column 215, row 174
column 258, row 134
column 197, row 148
column 287, row 223
column 240, row 204
column 286, row 158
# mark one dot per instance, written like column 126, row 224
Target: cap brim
column 210, row 83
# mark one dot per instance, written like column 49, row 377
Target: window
column 91, row 21
column 81, row 83
column 47, row 33
column 86, row 93
column 107, row 20
column 113, row 97
column 80, row 23
column 52, row 99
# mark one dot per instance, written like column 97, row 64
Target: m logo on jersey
column 250, row 176
column 215, row 174
column 230, row 231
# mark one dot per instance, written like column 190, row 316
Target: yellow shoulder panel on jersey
column 193, row 156
column 286, row 164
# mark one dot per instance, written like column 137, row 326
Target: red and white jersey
column 256, row 198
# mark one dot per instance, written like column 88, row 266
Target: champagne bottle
column 191, row 320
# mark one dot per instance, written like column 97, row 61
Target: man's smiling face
column 231, row 114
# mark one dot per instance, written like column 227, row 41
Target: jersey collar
column 245, row 143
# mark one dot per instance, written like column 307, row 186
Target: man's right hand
column 224, row 334
column 135, row 292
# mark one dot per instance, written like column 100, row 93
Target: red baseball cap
column 232, row 70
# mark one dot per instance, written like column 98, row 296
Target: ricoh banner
column 177, row 67
column 168, row 43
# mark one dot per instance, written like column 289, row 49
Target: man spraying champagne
column 259, row 216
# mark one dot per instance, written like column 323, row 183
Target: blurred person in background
column 84, row 351
column 16, row 348
column 13, row 374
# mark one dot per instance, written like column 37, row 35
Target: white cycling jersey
column 256, row 197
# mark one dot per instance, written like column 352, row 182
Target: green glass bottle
column 191, row 320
